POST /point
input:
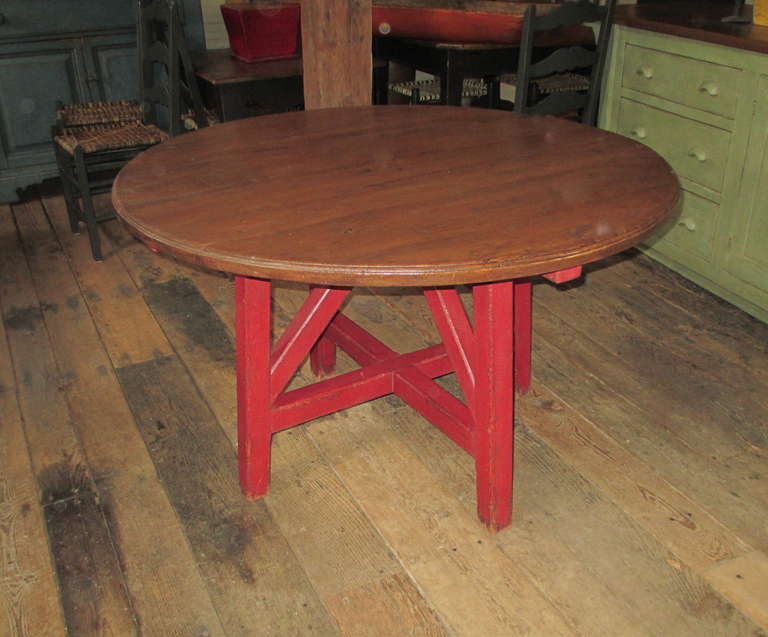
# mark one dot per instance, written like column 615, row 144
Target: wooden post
column 336, row 49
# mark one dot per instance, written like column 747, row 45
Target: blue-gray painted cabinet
column 68, row 50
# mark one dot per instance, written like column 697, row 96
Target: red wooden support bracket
column 410, row 382
column 561, row 276
column 363, row 348
column 437, row 405
column 322, row 357
column 451, row 320
column 254, row 430
column 483, row 358
column 302, row 333
column 355, row 387
column 494, row 402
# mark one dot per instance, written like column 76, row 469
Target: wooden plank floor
column 641, row 465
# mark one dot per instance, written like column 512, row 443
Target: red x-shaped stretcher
column 490, row 355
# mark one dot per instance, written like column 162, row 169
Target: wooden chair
column 567, row 78
column 90, row 139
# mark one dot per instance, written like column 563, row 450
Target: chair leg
column 494, row 93
column 89, row 213
column 65, row 167
column 381, row 84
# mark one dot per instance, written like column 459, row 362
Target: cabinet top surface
column 31, row 19
column 698, row 21
column 218, row 66
column 395, row 195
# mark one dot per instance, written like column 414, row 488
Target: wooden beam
column 336, row 44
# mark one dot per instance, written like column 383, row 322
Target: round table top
column 395, row 195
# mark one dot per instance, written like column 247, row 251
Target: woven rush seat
column 429, row 90
column 98, row 113
column 560, row 82
column 101, row 137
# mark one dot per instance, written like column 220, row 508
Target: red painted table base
column 490, row 356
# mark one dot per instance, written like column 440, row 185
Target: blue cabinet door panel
column 69, row 51
column 115, row 66
column 31, row 81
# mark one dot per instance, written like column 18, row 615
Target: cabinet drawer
column 702, row 85
column 691, row 232
column 696, row 151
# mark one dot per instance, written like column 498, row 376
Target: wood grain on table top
column 395, row 195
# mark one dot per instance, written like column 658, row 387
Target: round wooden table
column 393, row 195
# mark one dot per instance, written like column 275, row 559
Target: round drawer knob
column 698, row 154
column 687, row 223
column 645, row 71
column 710, row 88
column 639, row 132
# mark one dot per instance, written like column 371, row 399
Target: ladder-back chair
column 567, row 78
column 90, row 139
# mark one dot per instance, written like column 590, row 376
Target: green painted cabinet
column 747, row 253
column 33, row 75
column 704, row 108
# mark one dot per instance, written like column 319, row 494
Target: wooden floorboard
column 253, row 578
column 641, row 464
column 589, row 511
column 155, row 558
column 92, row 587
column 29, row 600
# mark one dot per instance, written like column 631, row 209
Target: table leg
column 523, row 335
column 322, row 356
column 451, row 83
column 493, row 405
column 252, row 337
column 381, row 83
column 482, row 354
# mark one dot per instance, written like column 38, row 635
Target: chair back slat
column 555, row 103
column 568, row 59
column 569, row 14
column 156, row 52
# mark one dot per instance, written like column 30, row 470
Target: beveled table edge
column 476, row 272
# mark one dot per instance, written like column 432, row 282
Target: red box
column 263, row 31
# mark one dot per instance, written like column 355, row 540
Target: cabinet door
column 112, row 67
column 747, row 256
column 33, row 76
